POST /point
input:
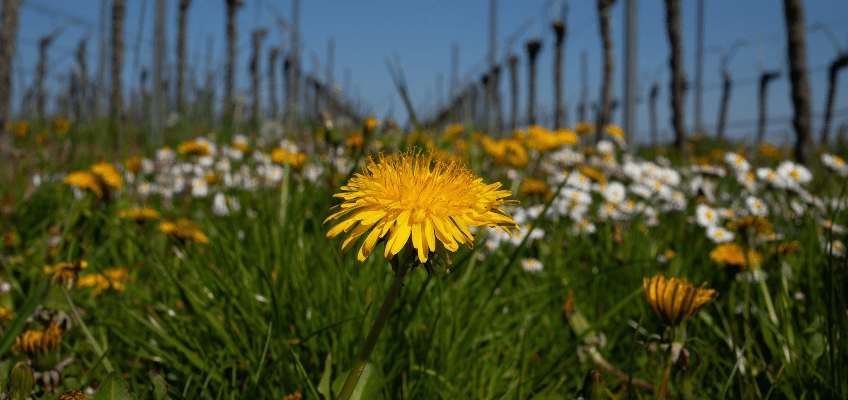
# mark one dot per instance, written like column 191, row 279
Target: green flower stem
column 769, row 305
column 87, row 333
column 371, row 340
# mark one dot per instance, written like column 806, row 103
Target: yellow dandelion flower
column 415, row 198
column 615, row 131
column 139, row 214
column 370, row 123
column 108, row 176
column 21, row 129
column 86, row 181
column 192, row 148
column 452, row 132
column 294, row 396
column 61, row 125
column 535, row 187
column 674, row 300
column 183, row 230
column 593, row 174
column 133, row 164
column 283, row 157
column 732, row 254
column 6, row 314
column 356, row 140
column 584, row 128
column 567, row 136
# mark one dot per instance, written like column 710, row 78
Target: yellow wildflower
column 65, row 271
column 139, row 214
column 370, row 123
column 61, row 125
column 108, row 176
column 133, row 164
column 282, row 157
column 86, row 181
column 22, row 129
column 615, row 131
column 356, row 140
column 732, row 254
column 593, row 174
column 415, row 198
column 6, row 314
column 42, row 340
column 535, row 187
column 183, row 230
column 193, row 148
column 674, row 300
column 584, row 128
column 452, row 132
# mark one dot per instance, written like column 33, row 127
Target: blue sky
column 422, row 33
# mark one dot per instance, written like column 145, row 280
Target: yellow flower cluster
column 732, row 254
column 42, row 340
column 420, row 199
column 283, row 157
column 193, row 148
column 111, row 278
column 674, row 300
column 183, row 230
column 100, row 179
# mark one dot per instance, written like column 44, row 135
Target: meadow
column 204, row 270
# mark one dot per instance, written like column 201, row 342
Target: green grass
column 257, row 317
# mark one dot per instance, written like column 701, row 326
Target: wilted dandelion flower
column 674, row 300
column 65, row 271
column 43, row 340
column 412, row 197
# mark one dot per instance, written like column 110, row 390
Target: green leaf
column 369, row 385
column 114, row 388
column 160, row 387
column 324, row 385
column 817, row 345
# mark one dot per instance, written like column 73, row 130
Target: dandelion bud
column 21, row 381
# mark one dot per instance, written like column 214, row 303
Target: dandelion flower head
column 417, row 198
column 674, row 300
